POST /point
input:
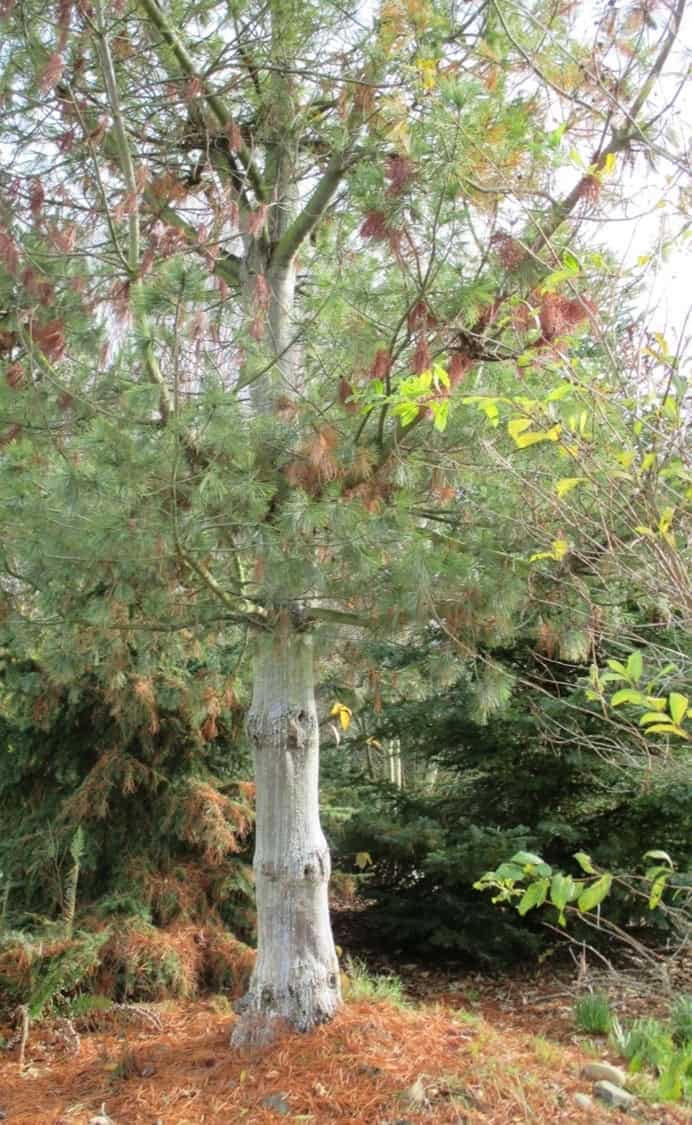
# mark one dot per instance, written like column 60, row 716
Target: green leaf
column 562, row 890
column 658, row 853
column 440, row 375
column 626, row 695
column 407, row 411
column 585, row 863
column 440, row 412
column 635, row 665
column 559, row 392
column 526, row 857
column 653, row 873
column 534, row 895
column 510, row 871
column 595, row 894
column 677, row 705
column 653, row 717
column 656, row 893
column 619, row 668
column 654, row 703
column 663, row 728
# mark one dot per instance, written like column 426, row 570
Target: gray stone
column 584, row 1101
column 612, row 1095
column 278, row 1103
column 603, row 1071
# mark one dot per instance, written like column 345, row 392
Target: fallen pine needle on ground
column 375, row 1063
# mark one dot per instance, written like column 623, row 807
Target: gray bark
column 296, row 976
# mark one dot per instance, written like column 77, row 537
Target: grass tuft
column 592, row 1014
column 681, row 1020
column 363, row 985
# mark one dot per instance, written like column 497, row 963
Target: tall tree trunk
column 296, row 976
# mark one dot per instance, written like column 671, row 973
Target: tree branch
column 337, row 617
column 127, row 168
column 213, row 100
column 312, row 212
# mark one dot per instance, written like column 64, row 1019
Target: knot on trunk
column 300, row 729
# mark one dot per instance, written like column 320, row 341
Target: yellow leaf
column 665, row 521
column 537, row 436
column 560, row 548
column 516, row 426
column 427, row 72
column 343, row 713
column 363, row 860
column 567, row 484
column 609, row 164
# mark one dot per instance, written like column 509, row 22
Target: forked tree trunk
column 296, row 976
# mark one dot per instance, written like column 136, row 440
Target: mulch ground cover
column 375, row 1063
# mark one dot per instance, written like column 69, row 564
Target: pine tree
column 267, row 270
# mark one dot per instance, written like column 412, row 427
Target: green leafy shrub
column 498, row 789
column 652, row 1047
column 645, row 1043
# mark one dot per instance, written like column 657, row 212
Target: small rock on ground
column 603, row 1071
column 584, row 1101
column 278, row 1103
column 613, row 1095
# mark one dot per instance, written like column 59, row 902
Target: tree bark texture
column 296, row 976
